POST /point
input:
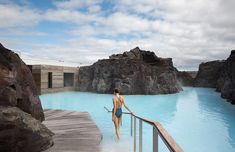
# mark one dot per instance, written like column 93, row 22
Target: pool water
column 197, row 118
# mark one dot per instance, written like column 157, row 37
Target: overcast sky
column 79, row 32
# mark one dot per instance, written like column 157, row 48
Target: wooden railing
column 158, row 130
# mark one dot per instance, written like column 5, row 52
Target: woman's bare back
column 118, row 101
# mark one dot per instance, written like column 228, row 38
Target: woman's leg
column 119, row 124
column 116, row 128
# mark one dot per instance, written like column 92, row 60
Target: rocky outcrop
column 208, row 74
column 226, row 81
column 20, row 132
column 185, row 78
column 134, row 72
column 21, row 112
column 17, row 87
column 219, row 75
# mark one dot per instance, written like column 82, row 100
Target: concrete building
column 49, row 78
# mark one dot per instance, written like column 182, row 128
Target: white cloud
column 70, row 16
column 83, row 31
column 94, row 9
column 189, row 31
column 16, row 16
column 124, row 23
column 138, row 6
column 74, row 4
column 21, row 32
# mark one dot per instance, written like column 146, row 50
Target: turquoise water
column 197, row 118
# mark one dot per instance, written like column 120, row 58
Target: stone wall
column 40, row 74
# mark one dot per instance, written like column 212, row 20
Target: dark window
column 68, row 79
column 49, row 79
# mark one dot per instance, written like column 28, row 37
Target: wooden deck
column 74, row 131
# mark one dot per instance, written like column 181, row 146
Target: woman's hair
column 116, row 90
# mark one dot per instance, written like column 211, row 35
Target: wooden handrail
column 165, row 136
column 168, row 140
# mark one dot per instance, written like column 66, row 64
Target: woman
column 118, row 101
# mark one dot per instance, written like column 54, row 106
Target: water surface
column 197, row 118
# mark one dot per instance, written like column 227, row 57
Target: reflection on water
column 221, row 114
column 197, row 118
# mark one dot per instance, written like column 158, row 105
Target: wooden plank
column 74, row 131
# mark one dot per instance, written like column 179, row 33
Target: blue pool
column 197, row 118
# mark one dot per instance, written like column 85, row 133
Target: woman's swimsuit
column 118, row 112
column 119, row 109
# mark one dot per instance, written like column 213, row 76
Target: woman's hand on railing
column 131, row 113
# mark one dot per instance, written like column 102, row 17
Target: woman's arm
column 125, row 105
column 114, row 110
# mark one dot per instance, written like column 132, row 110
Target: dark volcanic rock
column 185, row 78
column 226, row 81
column 85, row 75
column 208, row 74
column 20, row 132
column 134, row 72
column 219, row 75
column 21, row 112
column 17, row 87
